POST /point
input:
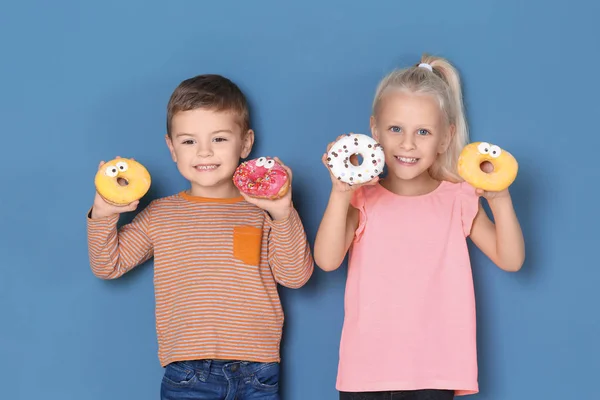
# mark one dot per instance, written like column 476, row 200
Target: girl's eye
column 189, row 141
column 395, row 129
column 423, row 132
column 220, row 139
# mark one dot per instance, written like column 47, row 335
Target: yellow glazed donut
column 122, row 181
column 474, row 154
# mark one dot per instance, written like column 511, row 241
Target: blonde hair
column 443, row 82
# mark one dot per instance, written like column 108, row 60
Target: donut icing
column 122, row 181
column 338, row 158
column 262, row 178
column 474, row 154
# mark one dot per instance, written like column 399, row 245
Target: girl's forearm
column 331, row 241
column 510, row 245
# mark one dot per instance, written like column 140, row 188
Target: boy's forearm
column 331, row 241
column 290, row 256
column 113, row 253
column 102, row 243
column 510, row 245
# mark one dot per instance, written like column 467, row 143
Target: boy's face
column 207, row 147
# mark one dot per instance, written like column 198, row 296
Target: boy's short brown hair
column 211, row 92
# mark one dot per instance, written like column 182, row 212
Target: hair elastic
column 426, row 66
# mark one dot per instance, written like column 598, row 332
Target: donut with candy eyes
column 505, row 166
column 122, row 181
column 262, row 178
column 373, row 158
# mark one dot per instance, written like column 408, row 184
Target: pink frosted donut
column 262, row 178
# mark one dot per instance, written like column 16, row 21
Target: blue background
column 85, row 81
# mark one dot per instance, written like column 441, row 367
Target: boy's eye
column 395, row 129
column 423, row 132
column 220, row 139
column 188, row 141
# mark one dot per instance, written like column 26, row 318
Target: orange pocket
column 246, row 244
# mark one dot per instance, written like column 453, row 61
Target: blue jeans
column 220, row 380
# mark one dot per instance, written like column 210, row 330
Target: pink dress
column 409, row 303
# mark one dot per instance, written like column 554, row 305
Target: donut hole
column 356, row 159
column 122, row 181
column 487, row 167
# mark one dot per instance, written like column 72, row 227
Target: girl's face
column 412, row 130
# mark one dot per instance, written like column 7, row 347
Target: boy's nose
column 204, row 151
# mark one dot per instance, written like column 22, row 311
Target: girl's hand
column 338, row 185
column 279, row 209
column 487, row 167
column 102, row 209
column 491, row 196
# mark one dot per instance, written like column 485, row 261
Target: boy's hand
column 102, row 209
column 338, row 185
column 279, row 209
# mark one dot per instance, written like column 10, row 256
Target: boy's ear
column 247, row 143
column 171, row 148
column 373, row 128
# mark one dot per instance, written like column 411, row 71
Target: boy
column 218, row 255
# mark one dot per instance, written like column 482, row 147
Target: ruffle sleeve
column 358, row 201
column 469, row 206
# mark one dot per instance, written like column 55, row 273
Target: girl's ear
column 445, row 143
column 373, row 128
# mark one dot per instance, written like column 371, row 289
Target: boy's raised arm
column 112, row 251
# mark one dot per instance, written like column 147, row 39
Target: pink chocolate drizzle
column 259, row 181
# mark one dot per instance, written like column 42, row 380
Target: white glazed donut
column 338, row 158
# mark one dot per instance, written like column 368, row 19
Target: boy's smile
column 206, row 167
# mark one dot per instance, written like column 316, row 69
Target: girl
column 409, row 327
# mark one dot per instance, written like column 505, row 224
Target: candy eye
column 484, row 148
column 122, row 166
column 270, row 164
column 111, row 171
column 261, row 162
column 495, row 151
